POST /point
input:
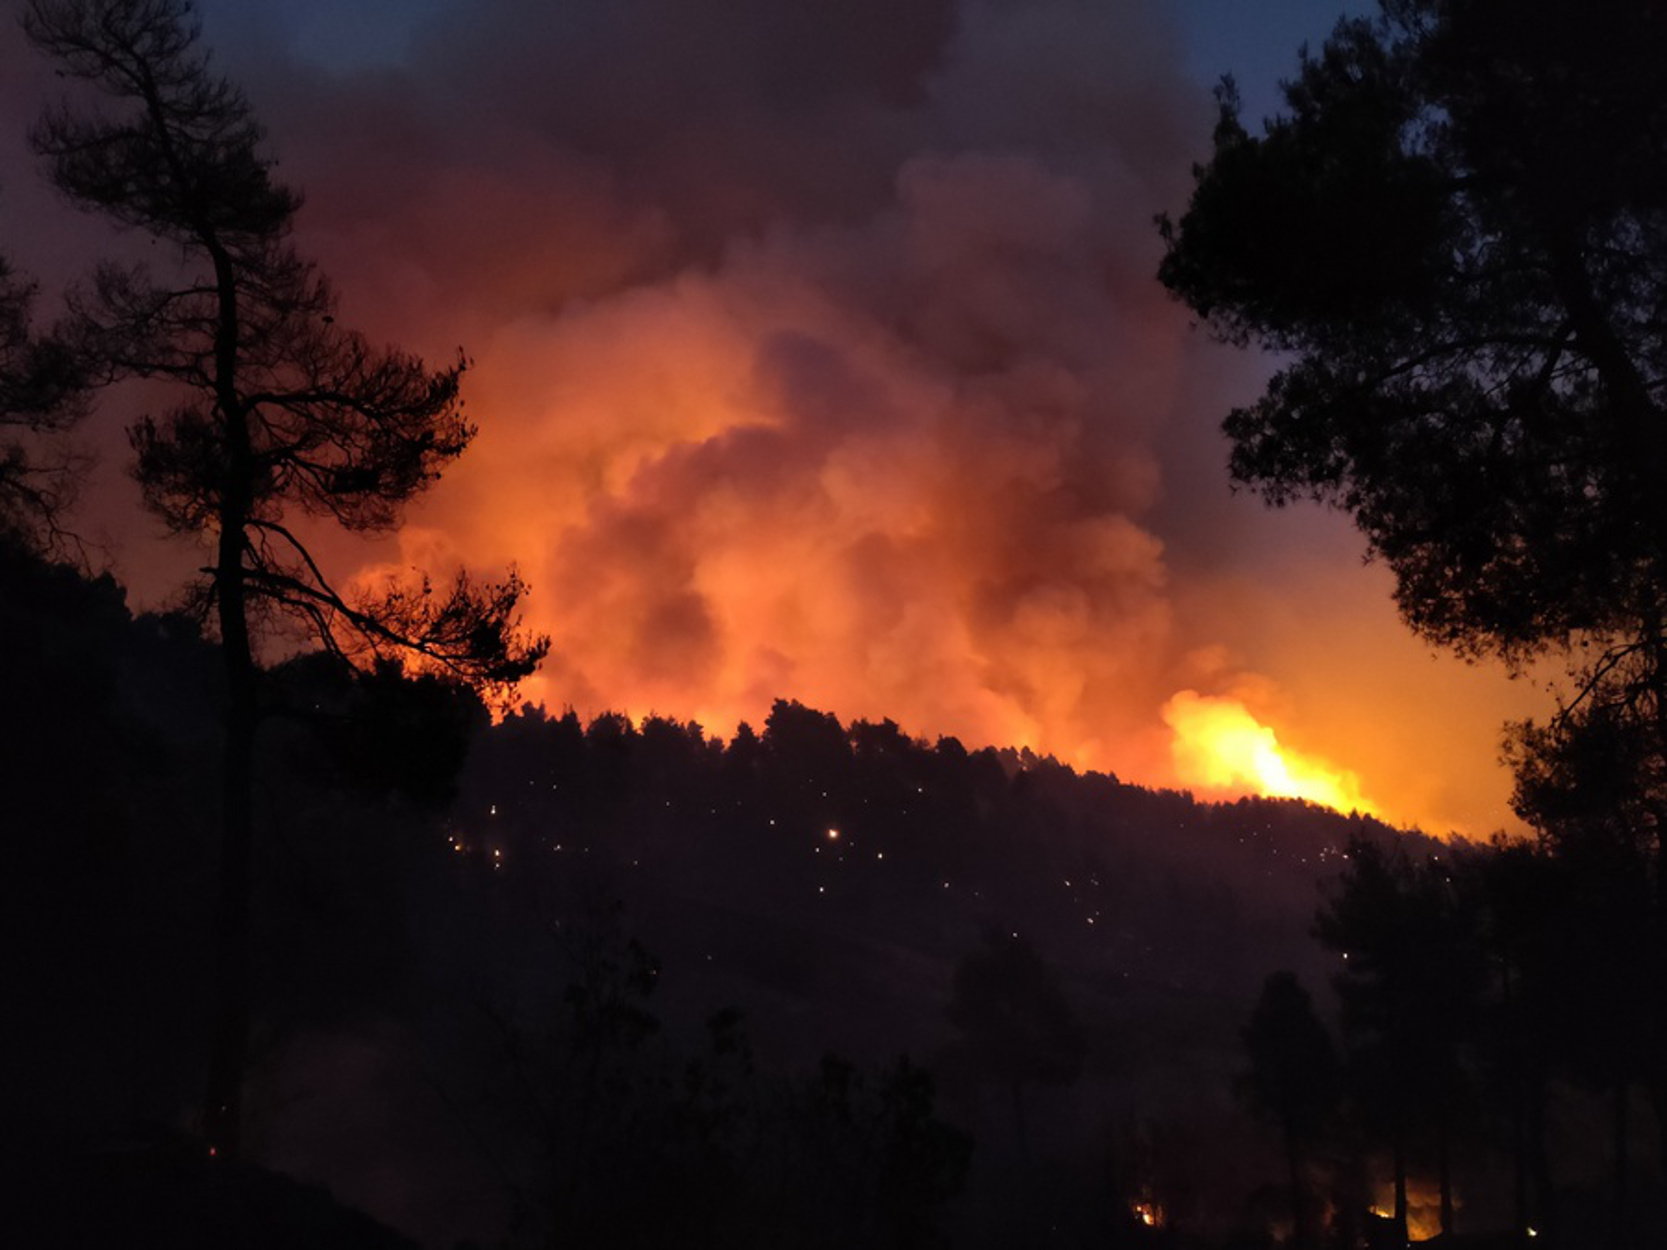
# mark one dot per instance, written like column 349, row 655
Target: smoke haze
column 818, row 354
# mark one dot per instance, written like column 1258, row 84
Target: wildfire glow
column 1423, row 1207
column 1218, row 746
column 949, row 519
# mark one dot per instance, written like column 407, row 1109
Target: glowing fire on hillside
column 1220, row 747
column 1423, row 1207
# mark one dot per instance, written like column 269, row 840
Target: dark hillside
column 436, row 890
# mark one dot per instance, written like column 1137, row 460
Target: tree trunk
column 1618, row 1231
column 1299, row 1213
column 1400, row 1154
column 1444, row 1169
column 1018, row 1093
column 1658, row 1103
column 1639, row 426
column 223, row 1111
column 1517, row 1084
column 1656, row 1068
column 1544, row 1211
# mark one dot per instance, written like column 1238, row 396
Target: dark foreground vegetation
column 543, row 982
column 549, row 983
column 1455, row 235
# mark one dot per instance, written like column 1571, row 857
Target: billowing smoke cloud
column 893, row 470
column 817, row 355
column 817, row 348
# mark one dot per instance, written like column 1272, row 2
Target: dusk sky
column 818, row 354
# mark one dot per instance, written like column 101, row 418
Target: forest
column 545, row 982
column 317, row 935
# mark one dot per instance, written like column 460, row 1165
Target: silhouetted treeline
column 1496, row 1032
column 849, row 821
column 965, row 995
column 109, row 744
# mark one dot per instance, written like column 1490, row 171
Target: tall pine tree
column 278, row 409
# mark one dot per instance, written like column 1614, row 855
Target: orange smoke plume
column 870, row 401
column 1219, row 746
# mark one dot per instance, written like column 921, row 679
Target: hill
column 443, row 899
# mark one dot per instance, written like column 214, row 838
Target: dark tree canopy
column 1293, row 1080
column 1013, row 1014
column 1292, row 1077
column 42, row 385
column 1410, row 989
column 1457, row 232
column 1595, row 784
column 1457, row 237
column 280, row 409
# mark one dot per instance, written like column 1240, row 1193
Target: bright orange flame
column 1423, row 1207
column 1218, row 745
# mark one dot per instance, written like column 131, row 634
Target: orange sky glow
column 847, row 380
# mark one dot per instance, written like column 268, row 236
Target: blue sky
column 1256, row 40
